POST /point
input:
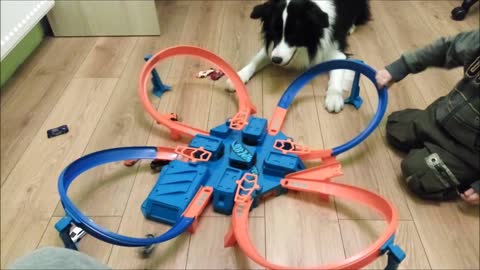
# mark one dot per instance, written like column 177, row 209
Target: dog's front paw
column 229, row 87
column 245, row 74
column 334, row 102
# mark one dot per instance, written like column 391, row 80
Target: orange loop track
column 239, row 233
column 245, row 106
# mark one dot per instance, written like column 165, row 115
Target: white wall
column 18, row 17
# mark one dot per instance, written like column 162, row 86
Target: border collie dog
column 303, row 33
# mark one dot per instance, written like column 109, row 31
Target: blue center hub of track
column 234, row 153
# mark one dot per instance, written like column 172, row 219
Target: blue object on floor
column 354, row 98
column 158, row 87
column 395, row 254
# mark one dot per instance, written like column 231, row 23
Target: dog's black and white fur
column 303, row 33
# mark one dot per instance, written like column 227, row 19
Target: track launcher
column 233, row 166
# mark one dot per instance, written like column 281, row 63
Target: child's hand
column 384, row 78
column 471, row 197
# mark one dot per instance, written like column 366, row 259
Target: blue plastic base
column 234, row 153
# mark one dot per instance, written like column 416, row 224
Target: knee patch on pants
column 428, row 177
column 401, row 130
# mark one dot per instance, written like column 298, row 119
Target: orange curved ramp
column 239, row 233
column 245, row 106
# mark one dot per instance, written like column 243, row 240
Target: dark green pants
column 436, row 166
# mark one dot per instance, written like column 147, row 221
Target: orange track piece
column 239, row 120
column 328, row 169
column 277, row 121
column 245, row 105
column 251, row 179
column 304, row 152
column 289, row 146
column 240, row 233
column 190, row 154
column 198, row 205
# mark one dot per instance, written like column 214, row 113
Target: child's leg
column 402, row 132
column 435, row 174
column 411, row 128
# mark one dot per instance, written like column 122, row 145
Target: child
column 442, row 141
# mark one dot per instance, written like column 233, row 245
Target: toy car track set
column 233, row 166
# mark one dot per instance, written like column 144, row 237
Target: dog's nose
column 277, row 60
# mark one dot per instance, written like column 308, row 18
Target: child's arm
column 447, row 52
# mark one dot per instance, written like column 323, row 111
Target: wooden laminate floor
column 90, row 84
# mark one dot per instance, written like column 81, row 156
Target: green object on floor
column 20, row 53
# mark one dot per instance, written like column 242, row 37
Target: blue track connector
column 158, row 87
column 63, row 227
column 395, row 254
column 63, row 223
column 355, row 99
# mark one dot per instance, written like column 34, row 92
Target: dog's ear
column 259, row 11
column 318, row 17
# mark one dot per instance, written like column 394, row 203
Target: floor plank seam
column 421, row 242
column 213, row 83
column 95, row 40
column 127, row 60
column 339, row 228
column 43, row 234
column 188, row 250
column 111, row 245
column 318, row 115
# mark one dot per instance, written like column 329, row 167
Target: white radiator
column 18, row 17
